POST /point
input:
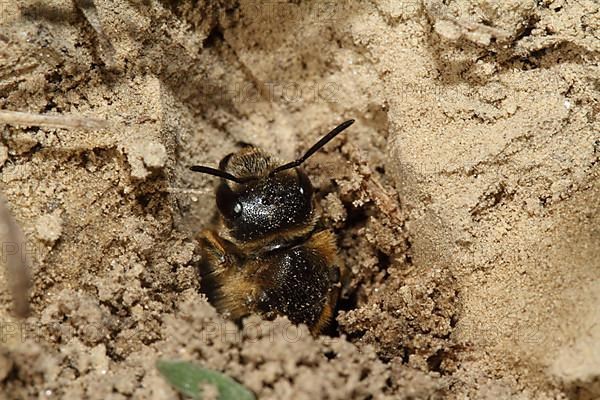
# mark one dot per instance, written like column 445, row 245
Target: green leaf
column 188, row 379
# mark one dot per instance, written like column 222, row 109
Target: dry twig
column 52, row 121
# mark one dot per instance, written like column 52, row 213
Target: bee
column 270, row 253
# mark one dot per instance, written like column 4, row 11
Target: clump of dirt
column 464, row 199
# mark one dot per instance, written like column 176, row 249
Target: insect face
column 256, row 209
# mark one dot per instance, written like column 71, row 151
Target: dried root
column 52, row 121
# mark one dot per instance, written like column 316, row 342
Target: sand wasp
column 270, row 253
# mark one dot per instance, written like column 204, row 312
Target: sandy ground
column 466, row 197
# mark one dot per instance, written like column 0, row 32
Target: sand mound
column 466, row 198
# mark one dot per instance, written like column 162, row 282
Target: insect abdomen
column 296, row 285
column 299, row 281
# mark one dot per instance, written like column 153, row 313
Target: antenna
column 216, row 172
column 324, row 140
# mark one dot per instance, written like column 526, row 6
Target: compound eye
column 228, row 202
column 237, row 209
column 304, row 186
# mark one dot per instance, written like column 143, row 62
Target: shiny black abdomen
column 296, row 283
